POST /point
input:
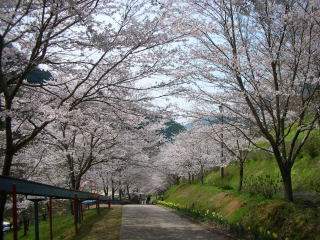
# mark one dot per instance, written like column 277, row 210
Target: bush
column 311, row 147
column 222, row 183
column 315, row 186
column 227, row 187
column 264, row 185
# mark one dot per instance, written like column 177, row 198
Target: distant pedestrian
column 143, row 200
column 148, row 199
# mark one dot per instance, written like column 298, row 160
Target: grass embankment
column 305, row 171
column 105, row 225
column 292, row 220
column 297, row 220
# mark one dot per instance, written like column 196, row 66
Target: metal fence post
column 98, row 205
column 81, row 211
column 36, row 220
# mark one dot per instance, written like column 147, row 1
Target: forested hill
column 38, row 76
column 172, row 128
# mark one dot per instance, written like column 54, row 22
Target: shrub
column 227, row 187
column 311, row 147
column 315, row 186
column 222, row 183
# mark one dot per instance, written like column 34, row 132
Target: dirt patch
column 233, row 206
column 183, row 192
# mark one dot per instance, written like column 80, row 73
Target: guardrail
column 14, row 186
column 39, row 189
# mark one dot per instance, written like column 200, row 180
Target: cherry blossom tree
column 257, row 57
column 93, row 49
column 236, row 140
column 190, row 155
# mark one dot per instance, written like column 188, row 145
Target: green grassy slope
column 292, row 220
column 63, row 227
column 299, row 220
column 305, row 170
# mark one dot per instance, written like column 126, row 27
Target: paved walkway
column 151, row 222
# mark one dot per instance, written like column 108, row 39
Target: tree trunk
column 222, row 172
column 128, row 193
column 112, row 192
column 120, row 194
column 77, row 186
column 202, row 175
column 106, row 190
column 287, row 183
column 189, row 178
column 240, row 176
column 120, row 189
column 178, row 180
column 26, row 223
column 3, row 196
column 3, row 199
column 73, row 181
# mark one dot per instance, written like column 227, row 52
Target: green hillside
column 290, row 221
column 305, row 172
column 253, row 210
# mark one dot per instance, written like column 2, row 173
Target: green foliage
column 172, row 128
column 311, row 147
column 223, row 184
column 315, row 185
column 264, row 185
column 38, row 76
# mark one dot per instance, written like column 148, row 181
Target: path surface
column 151, row 222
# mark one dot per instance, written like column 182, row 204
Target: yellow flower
column 275, row 235
column 249, row 228
column 268, row 232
